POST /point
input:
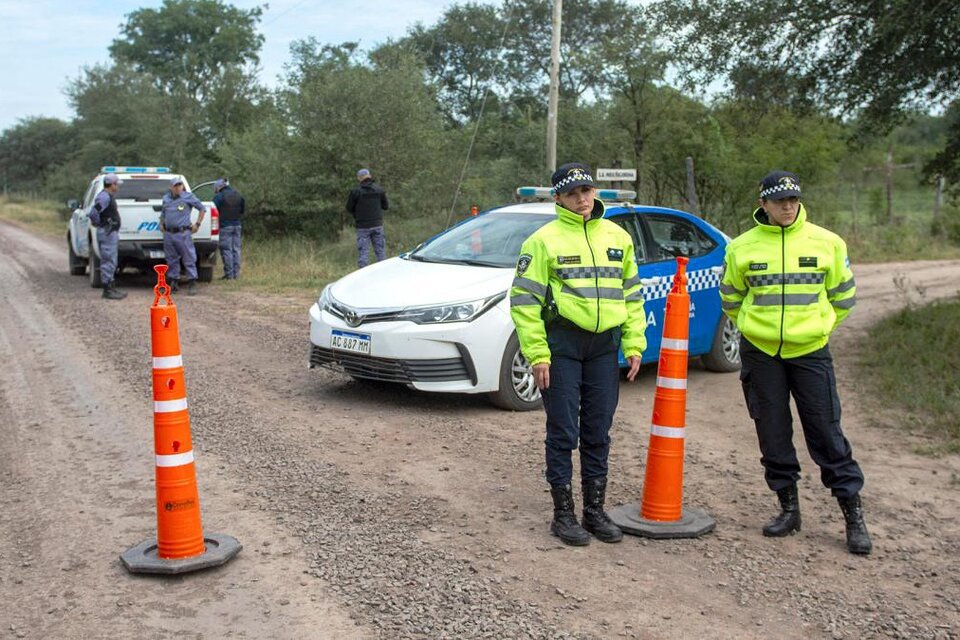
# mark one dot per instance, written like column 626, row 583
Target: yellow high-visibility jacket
column 584, row 271
column 787, row 288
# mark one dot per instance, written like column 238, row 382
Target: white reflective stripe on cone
column 666, row 432
column 169, row 406
column 671, row 383
column 175, row 460
column 673, row 343
column 168, row 362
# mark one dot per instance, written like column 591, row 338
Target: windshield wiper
column 419, row 258
column 483, row 263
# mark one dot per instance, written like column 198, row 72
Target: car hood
column 398, row 283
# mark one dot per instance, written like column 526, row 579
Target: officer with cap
column 106, row 218
column 231, row 206
column 787, row 284
column 178, row 233
column 576, row 300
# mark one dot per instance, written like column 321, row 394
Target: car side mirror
column 73, row 204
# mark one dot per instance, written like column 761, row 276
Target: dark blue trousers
column 581, row 400
column 768, row 383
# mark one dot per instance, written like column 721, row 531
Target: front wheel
column 78, row 266
column 95, row 280
column 518, row 391
column 724, row 354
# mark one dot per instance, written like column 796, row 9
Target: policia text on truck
column 787, row 284
column 575, row 301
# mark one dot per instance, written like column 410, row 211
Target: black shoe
column 191, row 287
column 595, row 520
column 110, row 292
column 565, row 525
column 225, row 277
column 788, row 521
column 858, row 540
column 174, row 286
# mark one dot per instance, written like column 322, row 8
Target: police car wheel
column 518, row 391
column 95, row 280
column 78, row 266
column 205, row 274
column 724, row 354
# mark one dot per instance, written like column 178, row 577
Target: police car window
column 142, row 190
column 88, row 198
column 674, row 237
column 490, row 240
column 629, row 223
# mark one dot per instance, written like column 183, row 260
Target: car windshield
column 141, row 189
column 490, row 240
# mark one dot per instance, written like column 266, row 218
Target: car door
column 81, row 223
column 669, row 235
column 627, row 219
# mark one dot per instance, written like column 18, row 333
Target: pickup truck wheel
column 518, row 391
column 725, row 352
column 205, row 274
column 78, row 266
column 95, row 280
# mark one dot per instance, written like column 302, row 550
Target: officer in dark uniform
column 787, row 284
column 178, row 234
column 106, row 218
column 576, row 300
column 231, row 206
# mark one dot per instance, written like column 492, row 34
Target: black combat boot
column 595, row 520
column 788, row 520
column 565, row 525
column 110, row 292
column 858, row 540
column 174, row 286
column 191, row 287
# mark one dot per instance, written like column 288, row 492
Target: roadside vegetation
column 911, row 362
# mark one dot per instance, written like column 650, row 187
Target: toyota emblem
column 353, row 318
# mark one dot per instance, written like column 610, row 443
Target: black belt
column 175, row 229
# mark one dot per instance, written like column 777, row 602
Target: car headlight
column 325, row 300
column 454, row 312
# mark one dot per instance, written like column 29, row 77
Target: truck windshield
column 142, row 190
column 490, row 240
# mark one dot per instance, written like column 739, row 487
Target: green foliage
column 911, row 359
column 31, row 149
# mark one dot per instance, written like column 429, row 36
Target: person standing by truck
column 178, row 234
column 106, row 218
column 231, row 206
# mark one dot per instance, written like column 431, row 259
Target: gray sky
column 43, row 43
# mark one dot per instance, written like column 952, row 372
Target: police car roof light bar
column 115, row 169
column 603, row 194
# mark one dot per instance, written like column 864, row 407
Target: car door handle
column 646, row 282
column 718, row 269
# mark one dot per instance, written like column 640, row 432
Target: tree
column 30, row 150
column 877, row 60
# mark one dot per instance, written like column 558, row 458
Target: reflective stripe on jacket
column 787, row 288
column 587, row 270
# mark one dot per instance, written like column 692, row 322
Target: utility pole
column 554, row 88
column 888, row 168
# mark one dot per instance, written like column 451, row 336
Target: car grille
column 389, row 369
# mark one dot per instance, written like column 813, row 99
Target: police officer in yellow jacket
column 787, row 284
column 576, row 300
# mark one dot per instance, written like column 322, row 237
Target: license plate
column 157, row 254
column 346, row 341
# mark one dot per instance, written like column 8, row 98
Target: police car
column 438, row 318
column 140, row 241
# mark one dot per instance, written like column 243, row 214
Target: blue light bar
column 616, row 194
column 134, row 170
column 534, row 192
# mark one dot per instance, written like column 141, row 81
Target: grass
column 911, row 361
column 40, row 215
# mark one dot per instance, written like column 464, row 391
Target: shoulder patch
column 614, row 254
column 523, row 263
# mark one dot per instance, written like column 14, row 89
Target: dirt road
column 375, row 511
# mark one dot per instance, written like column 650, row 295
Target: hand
column 634, row 362
column 541, row 375
column 195, row 226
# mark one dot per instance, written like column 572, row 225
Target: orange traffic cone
column 661, row 513
column 180, row 545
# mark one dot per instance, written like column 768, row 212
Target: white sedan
column 438, row 318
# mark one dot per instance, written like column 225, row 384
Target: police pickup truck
column 141, row 243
